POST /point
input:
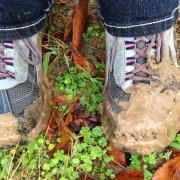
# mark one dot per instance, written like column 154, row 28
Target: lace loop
column 152, row 41
column 5, row 61
column 33, row 48
column 3, row 72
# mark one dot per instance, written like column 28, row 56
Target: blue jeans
column 130, row 18
column 22, row 18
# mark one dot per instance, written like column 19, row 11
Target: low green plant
column 94, row 31
column 176, row 142
column 99, row 67
column 143, row 163
column 136, row 162
column 88, row 156
column 72, row 83
column 5, row 163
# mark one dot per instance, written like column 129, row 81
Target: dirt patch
column 8, row 130
column 40, row 109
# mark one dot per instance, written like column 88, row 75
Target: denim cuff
column 144, row 30
column 22, row 32
column 137, row 18
column 23, row 19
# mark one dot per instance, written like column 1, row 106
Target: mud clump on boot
column 148, row 124
column 40, row 109
column 9, row 130
column 20, row 129
column 151, row 119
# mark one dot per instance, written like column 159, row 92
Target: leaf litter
column 78, row 116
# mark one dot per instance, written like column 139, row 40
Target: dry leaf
column 119, row 156
column 79, row 22
column 76, row 21
column 81, row 60
column 175, row 152
column 69, row 23
column 169, row 171
column 52, row 125
column 130, row 174
column 55, row 118
column 65, row 131
column 61, row 99
column 82, row 117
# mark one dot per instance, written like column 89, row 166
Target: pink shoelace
column 155, row 40
column 4, row 61
column 4, row 73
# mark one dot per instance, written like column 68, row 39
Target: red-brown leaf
column 79, row 22
column 82, row 117
column 52, row 125
column 175, row 152
column 130, row 174
column 65, row 131
column 119, row 156
column 60, row 99
column 69, row 23
column 169, row 171
column 82, row 61
column 76, row 21
column 55, row 118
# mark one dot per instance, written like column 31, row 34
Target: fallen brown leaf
column 82, row 61
column 169, row 171
column 52, row 125
column 76, row 21
column 65, row 131
column 119, row 156
column 69, row 23
column 81, row 117
column 55, row 118
column 175, row 152
column 79, row 22
column 61, row 99
column 130, row 174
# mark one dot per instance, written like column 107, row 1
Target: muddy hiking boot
column 21, row 93
column 141, row 109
